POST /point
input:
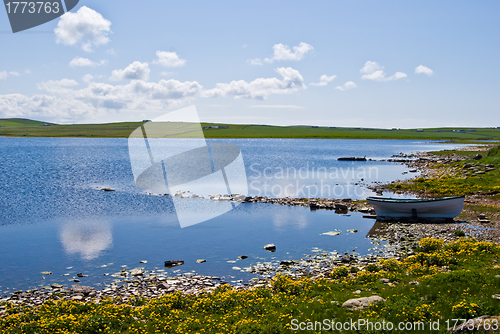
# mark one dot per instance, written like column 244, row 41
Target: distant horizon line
column 261, row 124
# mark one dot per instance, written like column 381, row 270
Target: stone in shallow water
column 270, row 247
column 331, row 233
column 137, row 272
column 174, row 263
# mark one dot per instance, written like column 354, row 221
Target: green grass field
column 13, row 127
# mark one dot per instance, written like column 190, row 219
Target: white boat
column 432, row 208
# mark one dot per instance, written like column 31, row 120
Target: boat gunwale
column 412, row 200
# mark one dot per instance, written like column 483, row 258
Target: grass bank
column 439, row 283
column 465, row 177
column 27, row 128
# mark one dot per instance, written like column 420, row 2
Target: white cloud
column 283, row 52
column 42, row 106
column 168, row 89
column 4, row 74
column 87, row 78
column 255, row 61
column 347, row 85
column 374, row 71
column 85, row 62
column 57, row 85
column 63, row 101
column 397, row 75
column 134, row 71
column 86, row 27
column 324, row 80
column 421, row 69
column 66, row 101
column 370, row 67
column 169, row 59
column 260, row 88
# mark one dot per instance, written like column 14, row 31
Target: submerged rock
column 170, row 264
column 331, row 233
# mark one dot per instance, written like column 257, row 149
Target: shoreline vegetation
column 429, row 272
column 17, row 127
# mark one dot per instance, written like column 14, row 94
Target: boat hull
column 440, row 208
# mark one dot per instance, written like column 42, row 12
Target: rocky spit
column 341, row 206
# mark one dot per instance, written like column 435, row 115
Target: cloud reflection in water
column 86, row 238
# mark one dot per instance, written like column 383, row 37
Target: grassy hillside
column 28, row 128
column 20, row 122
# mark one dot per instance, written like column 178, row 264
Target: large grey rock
column 137, row 272
column 81, row 289
column 361, row 303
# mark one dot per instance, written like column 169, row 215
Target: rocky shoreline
column 401, row 239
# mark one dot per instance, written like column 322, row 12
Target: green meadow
column 27, row 128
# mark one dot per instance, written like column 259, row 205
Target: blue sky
column 383, row 64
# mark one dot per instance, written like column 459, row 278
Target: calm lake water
column 53, row 215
